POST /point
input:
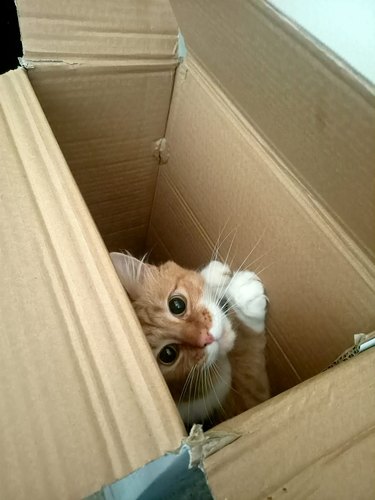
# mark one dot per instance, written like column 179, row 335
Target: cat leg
column 246, row 295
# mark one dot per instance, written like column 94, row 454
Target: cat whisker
column 264, row 268
column 216, row 396
column 219, row 294
column 244, row 262
column 197, row 384
column 218, row 244
column 202, row 390
column 190, row 387
column 217, row 371
column 250, row 265
column 231, row 309
column 252, row 250
column 213, row 295
column 242, row 265
column 146, row 256
column 241, row 268
column 185, row 386
column 234, row 231
column 207, row 388
column 204, row 396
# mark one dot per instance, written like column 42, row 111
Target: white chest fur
column 198, row 410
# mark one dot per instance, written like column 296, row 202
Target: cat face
column 180, row 315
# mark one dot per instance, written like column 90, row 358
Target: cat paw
column 217, row 275
column 246, row 294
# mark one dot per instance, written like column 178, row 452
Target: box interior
column 167, row 158
column 221, row 173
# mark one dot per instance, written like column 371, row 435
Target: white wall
column 347, row 27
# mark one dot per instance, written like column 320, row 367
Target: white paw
column 246, row 294
column 217, row 276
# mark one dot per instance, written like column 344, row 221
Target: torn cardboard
column 362, row 342
column 167, row 477
column 177, row 475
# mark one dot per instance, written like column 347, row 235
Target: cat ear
column 131, row 271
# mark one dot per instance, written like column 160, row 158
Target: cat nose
column 206, row 338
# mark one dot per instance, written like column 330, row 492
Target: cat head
column 181, row 317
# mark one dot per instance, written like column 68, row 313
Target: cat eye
column 177, row 305
column 168, row 354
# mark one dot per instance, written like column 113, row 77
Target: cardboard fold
column 316, row 112
column 76, row 394
column 70, row 32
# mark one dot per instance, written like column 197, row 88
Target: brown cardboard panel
column 106, row 120
column 174, row 225
column 315, row 441
column 90, row 29
column 281, row 373
column 314, row 111
column 136, row 176
column 158, row 252
column 321, row 291
column 115, row 215
column 78, row 407
column 133, row 238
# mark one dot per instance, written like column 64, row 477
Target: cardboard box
column 243, row 134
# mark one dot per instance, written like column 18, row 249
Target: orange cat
column 206, row 330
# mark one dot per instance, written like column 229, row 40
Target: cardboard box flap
column 317, row 114
column 103, row 74
column 76, row 394
column 73, row 31
column 315, row 441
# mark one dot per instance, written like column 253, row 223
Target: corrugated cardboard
column 220, row 170
column 316, row 441
column 107, row 71
column 90, row 30
column 82, row 401
column 318, row 114
column 110, row 146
